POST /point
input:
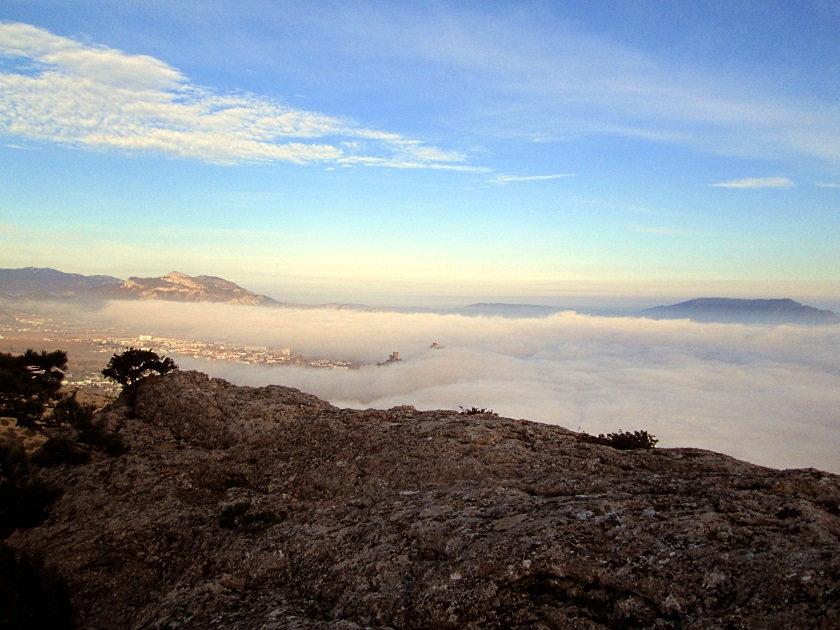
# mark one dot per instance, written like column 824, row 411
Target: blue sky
column 424, row 152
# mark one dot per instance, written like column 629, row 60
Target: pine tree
column 133, row 365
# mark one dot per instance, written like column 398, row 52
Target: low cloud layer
column 769, row 395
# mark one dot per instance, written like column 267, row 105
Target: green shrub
column 30, row 384
column 70, row 412
column 30, row 393
column 24, row 499
column 477, row 411
column 133, row 365
column 623, row 440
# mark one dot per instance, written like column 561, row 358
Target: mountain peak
column 176, row 275
column 174, row 286
column 179, row 287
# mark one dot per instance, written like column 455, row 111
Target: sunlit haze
column 419, row 152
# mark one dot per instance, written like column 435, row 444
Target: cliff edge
column 240, row 507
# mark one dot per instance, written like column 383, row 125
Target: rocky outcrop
column 32, row 283
column 269, row 508
column 179, row 287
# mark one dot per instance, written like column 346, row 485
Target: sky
column 428, row 152
column 769, row 395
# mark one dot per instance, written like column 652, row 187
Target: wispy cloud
column 506, row 179
column 19, row 147
column 402, row 164
column 60, row 90
column 827, row 184
column 526, row 74
column 757, row 182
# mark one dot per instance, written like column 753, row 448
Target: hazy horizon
column 352, row 151
column 601, row 303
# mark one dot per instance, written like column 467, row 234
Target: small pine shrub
column 477, row 411
column 624, row 440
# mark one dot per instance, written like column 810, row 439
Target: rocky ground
column 269, row 508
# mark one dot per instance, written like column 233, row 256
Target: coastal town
column 89, row 351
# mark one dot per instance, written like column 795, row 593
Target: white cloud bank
column 60, row 90
column 769, row 395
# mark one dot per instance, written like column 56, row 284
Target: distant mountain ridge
column 29, row 280
column 46, row 283
column 35, row 283
column 179, row 287
column 732, row 310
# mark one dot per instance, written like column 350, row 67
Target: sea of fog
column 766, row 394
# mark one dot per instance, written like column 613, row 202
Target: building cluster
column 92, row 381
column 212, row 351
column 217, row 351
column 87, row 374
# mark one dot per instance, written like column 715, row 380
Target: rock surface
column 269, row 508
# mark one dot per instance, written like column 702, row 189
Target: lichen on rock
column 269, row 508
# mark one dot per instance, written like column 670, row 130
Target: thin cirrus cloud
column 507, row 179
column 532, row 76
column 757, row 182
column 64, row 91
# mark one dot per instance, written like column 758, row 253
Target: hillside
column 240, row 507
column 729, row 310
column 179, row 287
column 47, row 284
column 37, row 280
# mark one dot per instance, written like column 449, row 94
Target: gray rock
column 268, row 508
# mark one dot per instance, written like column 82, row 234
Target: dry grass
column 30, row 439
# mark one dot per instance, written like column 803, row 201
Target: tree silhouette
column 30, row 392
column 30, row 384
column 135, row 364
